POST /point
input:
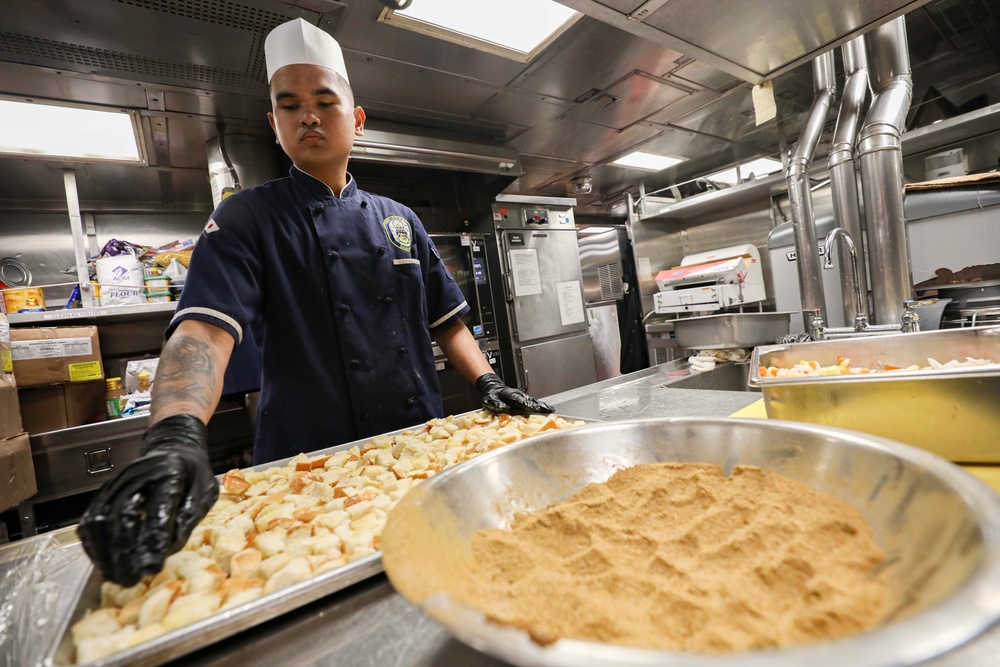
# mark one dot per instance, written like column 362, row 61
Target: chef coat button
column 355, row 363
column 381, row 250
column 318, row 210
column 333, row 254
column 411, row 401
column 344, row 308
column 392, row 334
column 402, row 349
column 388, row 299
column 364, row 204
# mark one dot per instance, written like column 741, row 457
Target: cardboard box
column 58, row 406
column 17, row 474
column 54, row 355
column 10, row 411
column 10, row 415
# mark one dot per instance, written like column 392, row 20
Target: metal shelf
column 98, row 315
column 915, row 142
column 951, row 131
column 710, row 202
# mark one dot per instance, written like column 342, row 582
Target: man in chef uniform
column 352, row 293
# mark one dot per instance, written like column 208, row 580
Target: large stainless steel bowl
column 939, row 526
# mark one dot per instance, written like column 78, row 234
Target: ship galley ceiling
column 603, row 88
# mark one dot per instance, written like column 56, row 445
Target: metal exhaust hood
column 754, row 40
column 410, row 145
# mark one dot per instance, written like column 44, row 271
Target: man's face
column 314, row 117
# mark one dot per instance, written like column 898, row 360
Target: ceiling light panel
column 647, row 161
column 495, row 26
column 33, row 129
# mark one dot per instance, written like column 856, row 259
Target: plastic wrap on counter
column 39, row 579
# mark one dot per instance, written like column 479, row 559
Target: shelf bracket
column 79, row 239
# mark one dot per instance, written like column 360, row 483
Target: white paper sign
column 763, row 103
column 524, row 270
column 570, row 302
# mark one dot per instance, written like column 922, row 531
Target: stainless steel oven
column 465, row 255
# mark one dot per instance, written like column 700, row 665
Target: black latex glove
column 149, row 509
column 498, row 397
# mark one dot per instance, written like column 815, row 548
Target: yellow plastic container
column 157, row 297
column 18, row 299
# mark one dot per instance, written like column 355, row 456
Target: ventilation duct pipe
column 237, row 161
column 799, row 196
column 843, row 174
column 881, row 157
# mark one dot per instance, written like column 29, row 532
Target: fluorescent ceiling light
column 759, row 167
column 647, row 161
column 35, row 129
column 519, row 25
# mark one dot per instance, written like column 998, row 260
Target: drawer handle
column 99, row 460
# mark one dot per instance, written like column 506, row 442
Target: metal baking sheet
column 191, row 637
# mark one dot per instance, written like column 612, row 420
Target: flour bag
column 120, row 277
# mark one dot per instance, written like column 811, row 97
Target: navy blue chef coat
column 349, row 287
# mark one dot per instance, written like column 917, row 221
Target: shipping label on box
column 17, row 473
column 24, row 350
column 6, row 361
column 56, row 354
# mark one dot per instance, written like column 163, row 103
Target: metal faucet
column 814, row 323
column 818, row 330
column 909, row 323
column 860, row 305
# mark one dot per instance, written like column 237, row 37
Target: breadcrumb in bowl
column 935, row 524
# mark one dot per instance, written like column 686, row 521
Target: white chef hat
column 301, row 43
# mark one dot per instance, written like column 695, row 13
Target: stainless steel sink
column 724, row 377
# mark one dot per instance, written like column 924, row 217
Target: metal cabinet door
column 552, row 274
column 558, row 365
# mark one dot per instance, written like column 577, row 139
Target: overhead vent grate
column 610, row 276
column 33, row 49
column 231, row 14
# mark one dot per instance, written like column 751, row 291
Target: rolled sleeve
column 223, row 284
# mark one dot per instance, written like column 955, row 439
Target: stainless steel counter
column 369, row 625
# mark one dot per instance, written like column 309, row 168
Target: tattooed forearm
column 189, row 376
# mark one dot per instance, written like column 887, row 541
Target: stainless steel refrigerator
column 543, row 286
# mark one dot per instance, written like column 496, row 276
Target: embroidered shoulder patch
column 212, row 226
column 397, row 230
